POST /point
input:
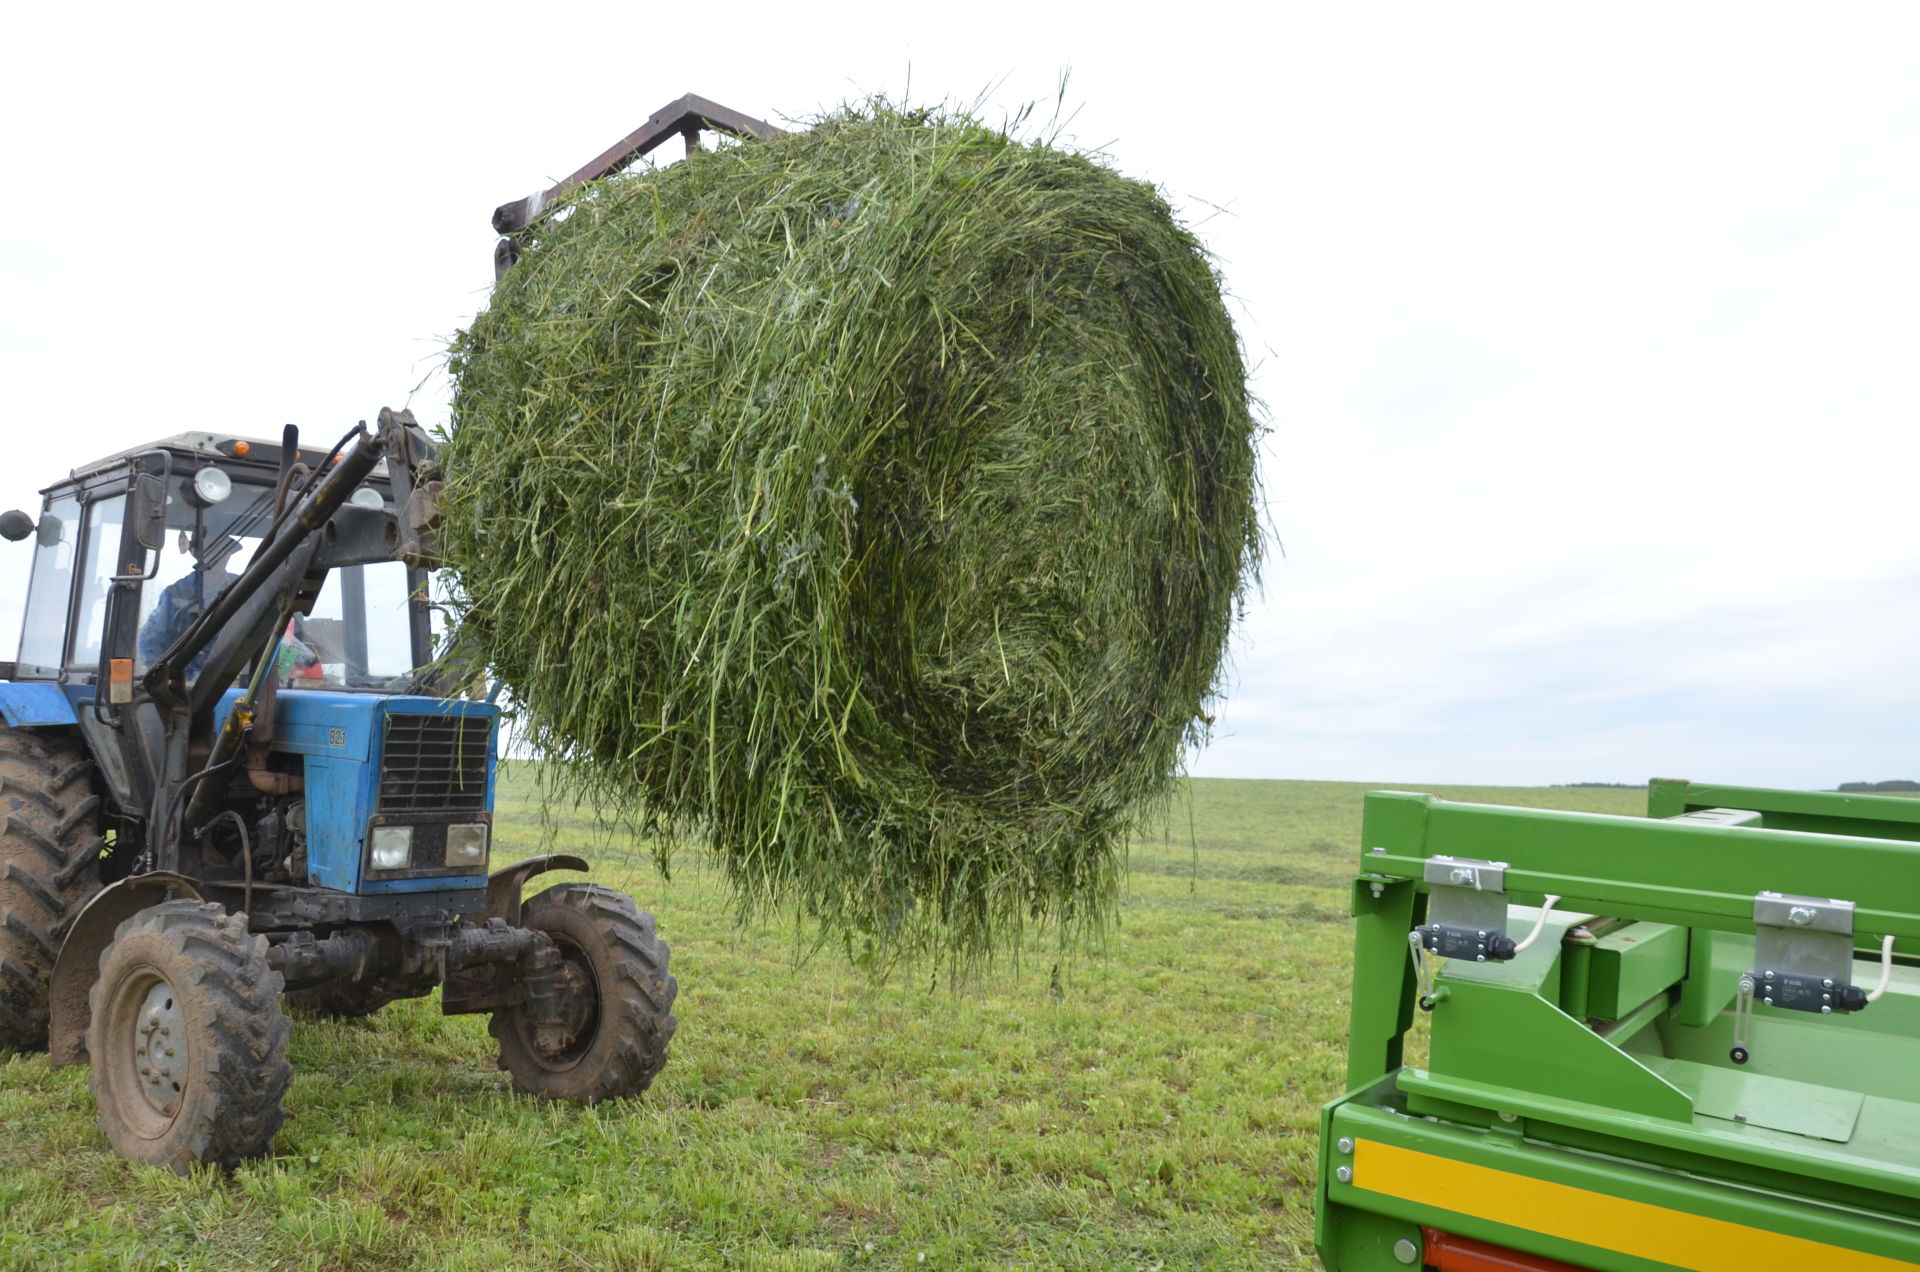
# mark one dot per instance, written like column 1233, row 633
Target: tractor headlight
column 467, row 844
column 211, row 486
column 392, row 847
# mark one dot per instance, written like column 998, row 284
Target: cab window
column 43, row 630
column 104, row 517
column 358, row 636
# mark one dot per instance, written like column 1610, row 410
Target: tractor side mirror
column 15, row 525
column 149, row 511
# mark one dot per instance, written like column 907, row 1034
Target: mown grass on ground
column 1151, row 1105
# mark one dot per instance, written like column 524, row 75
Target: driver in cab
column 185, row 599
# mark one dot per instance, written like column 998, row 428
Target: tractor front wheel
column 188, row 1043
column 620, row 1000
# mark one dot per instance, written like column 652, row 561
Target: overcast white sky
column 1588, row 334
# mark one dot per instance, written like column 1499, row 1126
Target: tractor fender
column 78, row 963
column 31, row 704
column 504, row 884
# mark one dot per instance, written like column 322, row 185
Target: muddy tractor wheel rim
column 583, row 1010
column 154, row 1044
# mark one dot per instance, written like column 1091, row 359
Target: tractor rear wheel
column 188, row 1043
column 50, row 847
column 621, row 999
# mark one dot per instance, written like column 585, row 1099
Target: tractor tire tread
column 48, row 834
column 27, row 938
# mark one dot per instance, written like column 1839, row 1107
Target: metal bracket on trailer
column 1466, row 909
column 1803, row 961
column 1803, row 953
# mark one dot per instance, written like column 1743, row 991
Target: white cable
column 1539, row 924
column 1886, row 969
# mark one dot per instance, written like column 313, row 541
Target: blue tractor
column 232, row 778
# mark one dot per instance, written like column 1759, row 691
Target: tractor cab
column 353, row 780
column 369, row 629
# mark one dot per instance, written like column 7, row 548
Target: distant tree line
column 1872, row 788
column 1611, row 786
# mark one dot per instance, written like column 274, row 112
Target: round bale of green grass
column 872, row 502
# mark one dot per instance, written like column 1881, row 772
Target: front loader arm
column 243, row 625
column 230, row 627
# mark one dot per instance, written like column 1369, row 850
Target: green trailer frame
column 1580, row 1101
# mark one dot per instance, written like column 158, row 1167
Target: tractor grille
column 435, row 762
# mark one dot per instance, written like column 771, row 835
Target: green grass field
column 1150, row 1106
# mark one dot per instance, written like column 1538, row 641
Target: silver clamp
column 1803, row 954
column 1803, row 961
column 1466, row 909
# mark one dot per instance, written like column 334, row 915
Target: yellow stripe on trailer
column 1605, row 1222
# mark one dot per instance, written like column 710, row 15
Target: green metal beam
column 1693, row 874
column 1828, row 812
column 1384, row 912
